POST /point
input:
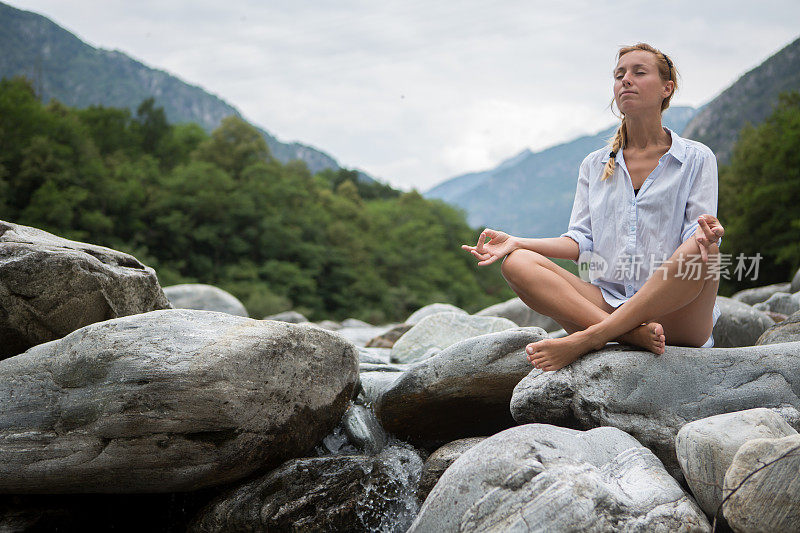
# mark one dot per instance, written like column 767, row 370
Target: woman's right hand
column 500, row 244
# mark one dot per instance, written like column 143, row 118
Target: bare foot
column 552, row 354
column 648, row 336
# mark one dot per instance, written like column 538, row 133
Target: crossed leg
column 575, row 304
column 681, row 304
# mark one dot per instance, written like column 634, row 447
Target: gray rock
column 204, row 298
column 786, row 331
column 359, row 335
column 652, row 397
column 329, row 325
column 795, row 286
column 364, row 430
column 355, row 323
column 557, row 334
column 706, row 447
column 760, row 294
column 546, row 478
column 762, row 486
column 461, row 392
column 522, row 315
column 292, row 317
column 51, row 286
column 383, row 367
column 440, row 460
column 436, row 332
column 388, row 338
column 739, row 324
column 374, row 383
column 432, row 309
column 336, row 493
column 164, row 401
column 378, row 356
column 781, row 302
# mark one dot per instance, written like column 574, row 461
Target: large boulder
column 739, row 324
column 436, row 332
column 546, row 478
column 762, row 486
column 781, row 302
column 166, row 401
column 432, row 309
column 204, row 298
column 522, row 315
column 760, row 294
column 652, row 397
column 335, row 493
column 462, row 391
column 51, row 286
column 786, row 331
column 706, row 447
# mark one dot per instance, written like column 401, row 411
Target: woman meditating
column 645, row 215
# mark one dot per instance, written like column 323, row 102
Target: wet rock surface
column 334, row 493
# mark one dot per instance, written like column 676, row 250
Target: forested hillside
column 220, row 209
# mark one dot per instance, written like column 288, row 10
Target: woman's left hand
column 708, row 233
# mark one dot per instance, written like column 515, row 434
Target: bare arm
column 555, row 247
column 501, row 244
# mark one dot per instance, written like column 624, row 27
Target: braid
column 616, row 145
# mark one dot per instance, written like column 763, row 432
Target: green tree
column 760, row 192
column 234, row 146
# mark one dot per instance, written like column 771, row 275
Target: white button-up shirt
column 630, row 235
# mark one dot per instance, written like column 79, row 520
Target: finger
column 489, row 261
column 481, row 240
column 482, row 257
column 706, row 229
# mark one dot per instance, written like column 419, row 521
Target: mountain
column 63, row 67
column 531, row 194
column 749, row 99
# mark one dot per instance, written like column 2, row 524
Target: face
column 637, row 84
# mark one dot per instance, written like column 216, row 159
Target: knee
column 518, row 261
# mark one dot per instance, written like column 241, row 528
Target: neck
column 645, row 131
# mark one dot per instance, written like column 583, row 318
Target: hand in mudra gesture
column 500, row 244
column 708, row 233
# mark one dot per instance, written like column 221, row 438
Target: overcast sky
column 416, row 92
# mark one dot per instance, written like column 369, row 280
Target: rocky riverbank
column 125, row 406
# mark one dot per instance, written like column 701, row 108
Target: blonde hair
column 668, row 72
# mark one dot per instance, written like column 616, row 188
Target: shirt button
column 633, row 228
column 630, row 287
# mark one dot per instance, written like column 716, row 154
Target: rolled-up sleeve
column 702, row 195
column 580, row 223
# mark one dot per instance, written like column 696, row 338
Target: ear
column 669, row 88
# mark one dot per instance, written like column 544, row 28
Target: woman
column 646, row 209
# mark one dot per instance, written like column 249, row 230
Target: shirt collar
column 677, row 150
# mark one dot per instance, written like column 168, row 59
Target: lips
column 626, row 92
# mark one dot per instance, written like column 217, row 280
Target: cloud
column 416, row 91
